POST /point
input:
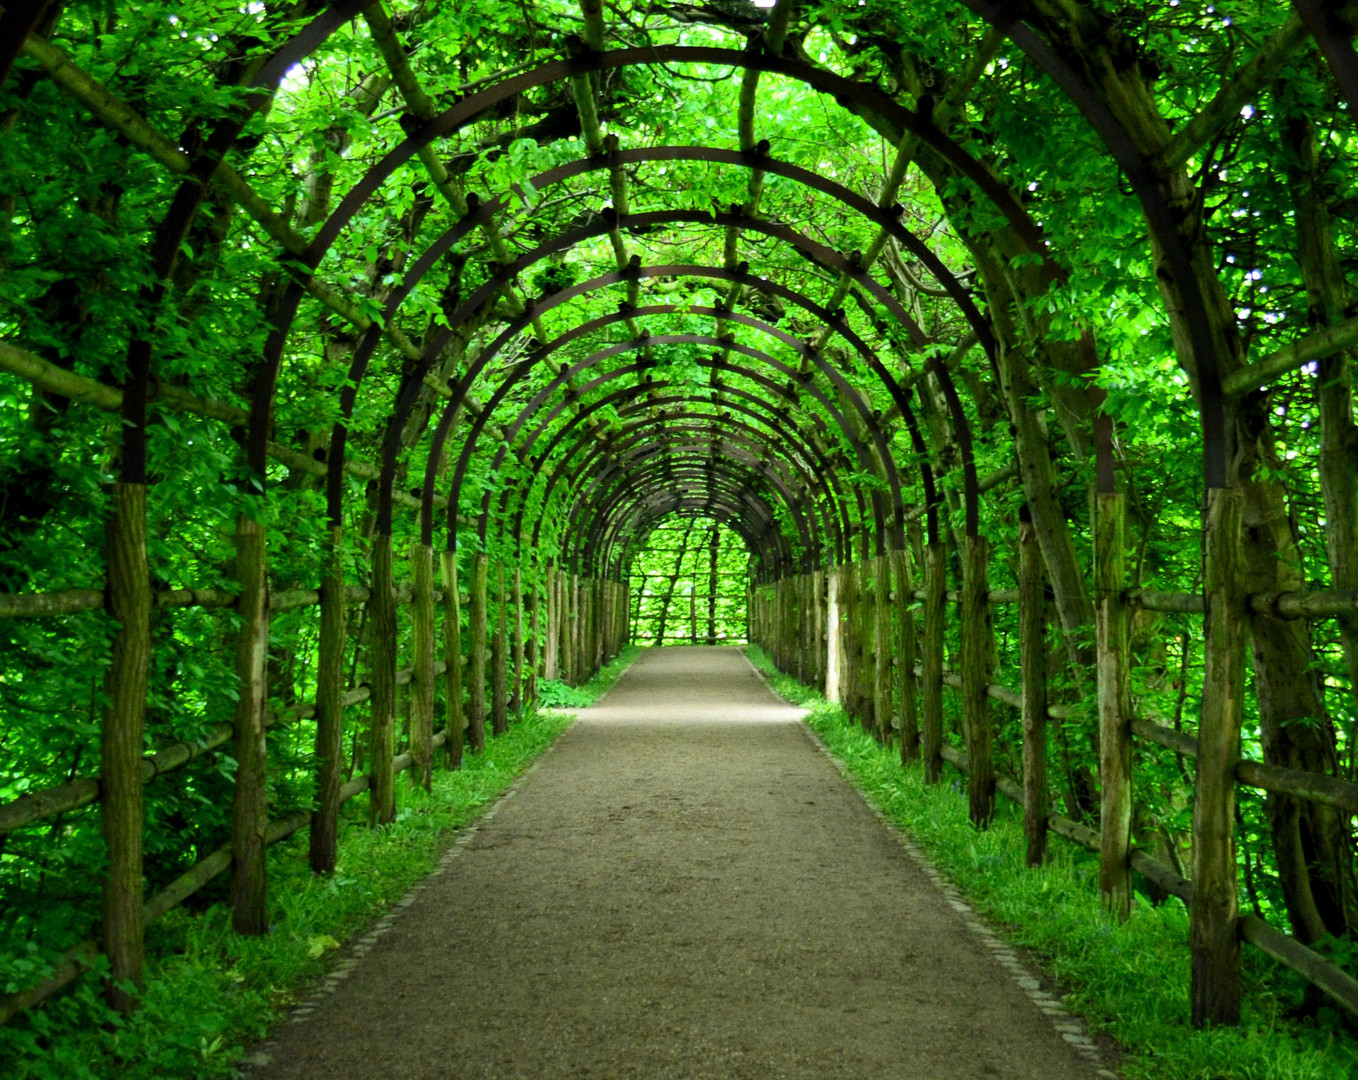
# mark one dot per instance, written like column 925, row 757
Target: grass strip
column 209, row 992
column 1129, row 981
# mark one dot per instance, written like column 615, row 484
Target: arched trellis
column 1337, row 50
column 830, row 493
column 865, row 458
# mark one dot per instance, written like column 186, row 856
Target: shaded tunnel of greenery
column 363, row 364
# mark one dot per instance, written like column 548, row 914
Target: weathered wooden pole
column 1115, row 708
column 249, row 812
column 1213, row 939
column 476, row 674
column 323, row 847
column 121, row 741
column 382, row 703
column 931, row 685
column 903, row 663
column 833, row 637
column 552, row 651
column 422, row 664
column 1033, row 691
column 516, row 687
column 499, row 658
column 818, row 626
column 452, row 656
column 534, row 650
column 882, row 704
column 976, row 719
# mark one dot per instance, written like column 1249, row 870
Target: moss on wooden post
column 499, row 662
column 931, row 685
column 1114, row 696
column 903, row 662
column 121, row 741
column 249, row 813
column 323, row 845
column 382, row 704
column 976, row 649
column 452, row 657
column 476, row 675
column 422, row 664
column 1033, row 691
column 1213, row 939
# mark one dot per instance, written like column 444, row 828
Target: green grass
column 1130, row 981
column 209, row 992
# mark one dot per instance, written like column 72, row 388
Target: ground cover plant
column 1129, row 981
column 209, row 992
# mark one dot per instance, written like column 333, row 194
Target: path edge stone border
column 1068, row 1025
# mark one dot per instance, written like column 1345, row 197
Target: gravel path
column 684, row 888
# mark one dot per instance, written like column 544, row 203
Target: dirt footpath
column 684, row 888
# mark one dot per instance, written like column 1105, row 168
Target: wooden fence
column 876, row 643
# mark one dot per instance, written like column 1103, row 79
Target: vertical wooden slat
column 552, row 637
column 499, row 658
column 818, row 600
column 249, row 815
column 476, row 675
column 903, row 663
column 1213, row 939
column 1114, row 695
column 931, row 685
column 121, row 740
column 976, row 720
column 422, row 664
column 1033, row 691
column 323, row 847
column 382, row 704
column 452, row 656
column 833, row 675
column 516, row 686
column 534, row 649
column 881, row 610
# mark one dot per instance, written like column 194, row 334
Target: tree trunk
column 329, row 711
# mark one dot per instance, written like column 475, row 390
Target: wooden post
column 976, row 721
column 935, row 585
column 833, row 677
column 517, row 644
column 530, row 690
column 382, row 704
column 848, row 635
column 422, row 681
column 452, row 656
column 1115, row 712
column 324, row 838
column 1033, row 693
column 903, row 663
column 476, row 676
column 552, row 651
column 121, row 740
column 249, row 813
column 1213, row 939
column 882, row 641
column 499, row 658
column 818, row 626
